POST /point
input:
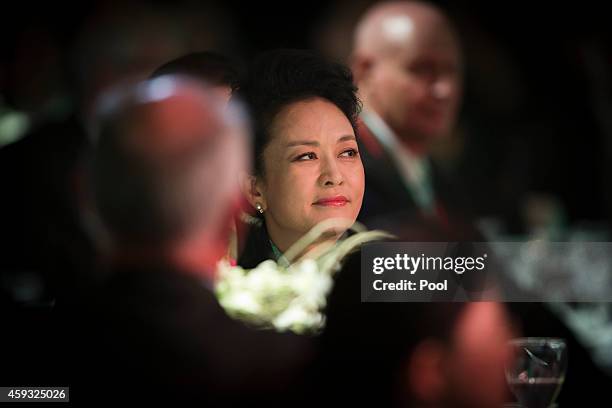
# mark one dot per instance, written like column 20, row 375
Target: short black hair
column 280, row 77
column 208, row 66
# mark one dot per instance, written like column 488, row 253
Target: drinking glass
column 537, row 370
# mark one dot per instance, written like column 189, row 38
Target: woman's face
column 312, row 170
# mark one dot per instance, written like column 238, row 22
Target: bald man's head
column 387, row 27
column 407, row 64
column 166, row 161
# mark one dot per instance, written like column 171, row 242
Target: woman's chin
column 336, row 222
column 326, row 212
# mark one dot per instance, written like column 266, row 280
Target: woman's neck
column 282, row 242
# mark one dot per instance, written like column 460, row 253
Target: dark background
column 536, row 118
column 537, row 110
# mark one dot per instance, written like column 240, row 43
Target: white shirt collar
column 412, row 167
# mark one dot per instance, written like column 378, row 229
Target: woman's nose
column 330, row 173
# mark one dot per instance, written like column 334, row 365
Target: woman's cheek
column 292, row 193
column 357, row 178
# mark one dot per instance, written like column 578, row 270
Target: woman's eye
column 306, row 156
column 349, row 153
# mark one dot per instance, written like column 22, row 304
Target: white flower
column 299, row 319
column 310, row 282
column 272, row 295
column 242, row 301
column 285, row 298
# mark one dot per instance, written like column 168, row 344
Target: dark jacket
column 388, row 203
column 256, row 247
column 159, row 331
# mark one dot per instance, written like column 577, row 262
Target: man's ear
column 250, row 186
column 424, row 373
column 361, row 66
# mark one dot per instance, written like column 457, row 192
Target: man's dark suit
column 387, row 202
column 160, row 331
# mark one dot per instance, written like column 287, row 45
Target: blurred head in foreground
column 307, row 164
column 415, row 354
column 164, row 171
column 465, row 366
column 222, row 73
column 408, row 66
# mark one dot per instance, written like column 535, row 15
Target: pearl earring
column 259, row 208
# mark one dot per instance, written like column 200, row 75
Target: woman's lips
column 337, row 201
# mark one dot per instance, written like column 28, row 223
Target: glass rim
column 537, row 340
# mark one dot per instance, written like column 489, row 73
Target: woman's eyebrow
column 303, row 143
column 345, row 138
column 315, row 143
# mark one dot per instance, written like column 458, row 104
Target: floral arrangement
column 289, row 297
